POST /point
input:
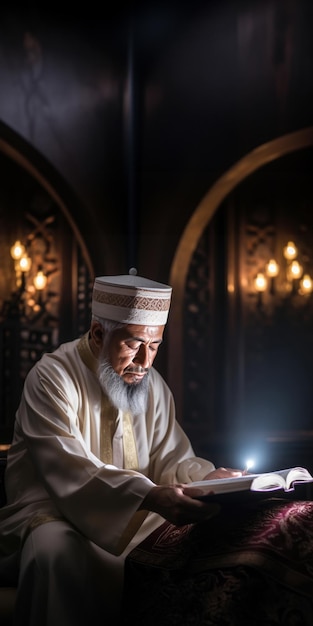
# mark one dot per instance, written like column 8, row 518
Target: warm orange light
column 306, row 285
column 17, row 250
column 260, row 282
column 272, row 268
column 290, row 251
column 40, row 280
column 295, row 270
column 25, row 263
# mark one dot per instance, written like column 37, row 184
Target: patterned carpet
column 251, row 565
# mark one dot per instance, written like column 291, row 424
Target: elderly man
column 98, row 461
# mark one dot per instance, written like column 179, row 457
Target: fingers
column 223, row 472
column 194, row 492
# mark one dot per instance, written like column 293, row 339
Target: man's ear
column 97, row 333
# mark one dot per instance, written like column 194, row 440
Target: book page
column 268, row 482
column 297, row 474
column 224, row 485
column 281, row 479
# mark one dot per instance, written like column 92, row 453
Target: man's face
column 132, row 349
column 124, row 364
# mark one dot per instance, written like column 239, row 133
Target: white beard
column 126, row 397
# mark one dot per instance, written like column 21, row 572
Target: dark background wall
column 141, row 110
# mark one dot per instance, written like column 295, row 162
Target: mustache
column 136, row 369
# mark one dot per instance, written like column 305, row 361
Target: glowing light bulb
column 25, row 263
column 306, row 285
column 295, row 270
column 17, row 250
column 40, row 280
column 260, row 282
column 290, row 251
column 272, row 268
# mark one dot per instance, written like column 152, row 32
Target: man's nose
column 142, row 357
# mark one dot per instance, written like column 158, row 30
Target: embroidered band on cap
column 131, row 299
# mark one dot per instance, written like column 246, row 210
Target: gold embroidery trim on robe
column 86, row 354
column 129, row 445
column 108, row 419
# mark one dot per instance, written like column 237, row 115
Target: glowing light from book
column 249, row 464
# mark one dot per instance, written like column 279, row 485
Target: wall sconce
column 34, row 290
column 292, row 279
column 28, row 283
column 22, row 262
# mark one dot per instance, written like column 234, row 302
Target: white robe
column 56, row 466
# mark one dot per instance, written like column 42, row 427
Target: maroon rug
column 251, row 565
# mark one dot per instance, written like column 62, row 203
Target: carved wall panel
column 277, row 207
column 248, row 355
column 35, row 316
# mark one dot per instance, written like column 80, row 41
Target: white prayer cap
column 131, row 299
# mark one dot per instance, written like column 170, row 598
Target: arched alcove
column 38, row 209
column 236, row 306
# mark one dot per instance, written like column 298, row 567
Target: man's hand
column 223, row 472
column 174, row 505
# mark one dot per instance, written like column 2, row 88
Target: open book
column 285, row 480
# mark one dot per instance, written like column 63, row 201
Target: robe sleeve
column 172, row 458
